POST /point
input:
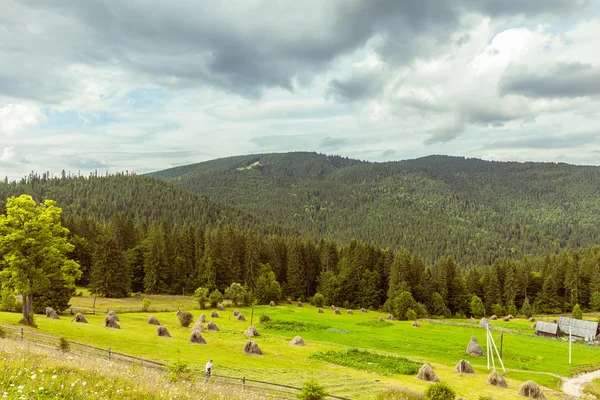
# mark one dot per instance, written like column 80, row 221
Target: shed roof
column 579, row 327
column 546, row 327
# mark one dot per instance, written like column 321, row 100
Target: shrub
column 312, row 390
column 237, row 293
column 498, row 310
column 512, row 308
column 63, row 345
column 178, row 370
column 19, row 307
column 411, row 315
column 477, row 307
column 440, row 391
column 8, row 301
column 146, row 304
column 2, row 333
column 318, row 300
column 577, row 313
column 185, row 318
column 264, row 318
column 526, row 309
column 201, row 296
column 215, row 298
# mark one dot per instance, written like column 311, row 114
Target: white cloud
column 16, row 117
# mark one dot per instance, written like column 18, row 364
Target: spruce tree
column 109, row 277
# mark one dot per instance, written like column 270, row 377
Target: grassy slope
column 441, row 345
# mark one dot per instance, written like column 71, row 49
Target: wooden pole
column 501, row 342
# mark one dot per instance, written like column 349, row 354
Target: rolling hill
column 475, row 210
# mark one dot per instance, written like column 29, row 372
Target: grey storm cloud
column 574, row 140
column 567, row 80
column 331, row 143
column 243, row 47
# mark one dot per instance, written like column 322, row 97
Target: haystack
column 251, row 332
column 196, row 337
column 300, row 304
column 390, row 317
column 198, row 326
column 162, row 331
column 214, row 314
column 152, row 320
column 534, row 326
column 473, row 348
column 288, row 301
column 211, row 326
column 495, row 379
column 109, row 322
column 349, row 312
column 464, row 367
column 272, row 303
column 473, row 320
column 240, row 318
column 380, row 319
column 336, row 311
column 416, row 324
column 363, row 310
column 220, row 307
column 50, row 313
column 114, row 315
column 509, row 316
column 320, row 311
column 235, row 313
column 506, row 319
column 494, row 317
column 532, row 390
column 202, row 318
column 426, row 373
column 484, row 322
column 297, row 341
column 252, row 349
column 80, row 318
column 531, row 319
column 332, row 307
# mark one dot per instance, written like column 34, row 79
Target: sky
column 140, row 86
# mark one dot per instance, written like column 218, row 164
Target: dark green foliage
column 63, row 345
column 267, row 288
column 595, row 301
column 526, row 309
column 318, row 300
column 440, row 391
column 264, row 318
column 57, row 296
column 215, row 298
column 185, row 318
column 400, row 304
column 498, row 310
column 367, row 361
column 109, row 275
column 312, row 390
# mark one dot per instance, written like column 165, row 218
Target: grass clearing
column 440, row 344
column 368, row 361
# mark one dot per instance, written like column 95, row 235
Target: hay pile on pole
column 162, row 331
column 297, row 341
column 240, row 318
column 152, row 320
column 506, row 319
column 251, row 332
column 109, row 322
column 416, row 324
column 464, row 367
column 288, row 301
column 80, row 318
column 320, row 311
column 235, row 313
column 272, row 303
column 509, row 316
column 300, row 304
column 349, row 312
column 494, row 317
column 333, row 307
column 198, row 326
column 202, row 318
column 196, row 337
column 114, row 315
column 50, row 313
column 390, row 317
column 380, row 319
column 531, row 319
column 336, row 311
column 363, row 310
column 252, row 349
column 495, row 379
column 473, row 348
column 484, row 322
column 532, row 390
column 220, row 307
column 211, row 326
column 214, row 314
column 426, row 373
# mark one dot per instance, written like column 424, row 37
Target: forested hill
column 142, row 198
column 475, row 210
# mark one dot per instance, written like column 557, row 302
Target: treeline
column 120, row 257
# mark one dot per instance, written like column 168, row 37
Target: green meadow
column 328, row 338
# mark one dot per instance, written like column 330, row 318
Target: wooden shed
column 548, row 329
column 581, row 328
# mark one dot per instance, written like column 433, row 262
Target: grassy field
column 440, row 344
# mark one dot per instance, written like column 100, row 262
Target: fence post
column 22, row 334
column 244, row 383
column 109, row 353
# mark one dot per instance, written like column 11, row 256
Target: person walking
column 208, row 367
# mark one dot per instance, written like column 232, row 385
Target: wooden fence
column 281, row 391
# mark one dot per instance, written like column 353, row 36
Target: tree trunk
column 25, row 308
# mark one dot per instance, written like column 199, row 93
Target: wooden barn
column 548, row 329
column 587, row 330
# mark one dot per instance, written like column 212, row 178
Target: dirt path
column 574, row 386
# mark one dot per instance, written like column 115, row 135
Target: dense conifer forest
column 140, row 234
